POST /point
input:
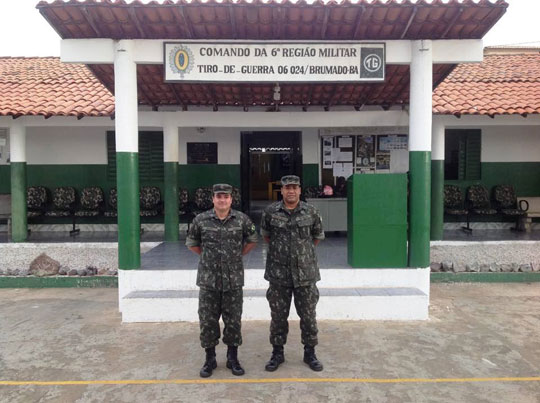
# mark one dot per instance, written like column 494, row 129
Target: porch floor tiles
column 332, row 253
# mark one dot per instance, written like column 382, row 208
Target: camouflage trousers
column 305, row 301
column 228, row 305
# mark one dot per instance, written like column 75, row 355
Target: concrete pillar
column 127, row 156
column 17, row 141
column 420, row 117
column 170, row 158
column 437, row 181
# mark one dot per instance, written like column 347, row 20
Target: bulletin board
column 362, row 150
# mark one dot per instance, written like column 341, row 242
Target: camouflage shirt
column 221, row 242
column 291, row 259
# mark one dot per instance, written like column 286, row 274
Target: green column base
column 419, row 208
column 129, row 220
column 171, row 201
column 19, row 223
column 437, row 199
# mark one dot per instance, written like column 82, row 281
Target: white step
column 352, row 303
column 146, row 280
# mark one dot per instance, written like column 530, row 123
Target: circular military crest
column 372, row 62
column 181, row 60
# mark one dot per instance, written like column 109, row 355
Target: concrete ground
column 475, row 331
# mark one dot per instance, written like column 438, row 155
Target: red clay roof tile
column 500, row 85
column 45, row 86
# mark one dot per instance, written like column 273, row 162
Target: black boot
column 311, row 359
column 210, row 364
column 232, row 361
column 278, row 357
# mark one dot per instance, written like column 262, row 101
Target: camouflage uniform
column 291, row 268
column 220, row 275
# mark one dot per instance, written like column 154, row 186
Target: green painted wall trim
column 419, row 207
column 524, row 176
column 129, row 222
column 59, row 282
column 310, row 175
column 5, row 179
column 19, row 225
column 112, row 281
column 193, row 176
column 171, row 201
column 485, row 277
column 437, row 199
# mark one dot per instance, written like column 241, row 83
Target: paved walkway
column 480, row 345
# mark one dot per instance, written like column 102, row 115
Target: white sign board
column 274, row 62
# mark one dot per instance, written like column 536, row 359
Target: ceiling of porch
column 272, row 20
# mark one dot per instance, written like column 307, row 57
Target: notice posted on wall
column 344, row 156
column 327, row 152
column 345, row 142
column 344, row 169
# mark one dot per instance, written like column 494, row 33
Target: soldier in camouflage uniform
column 293, row 229
column 221, row 236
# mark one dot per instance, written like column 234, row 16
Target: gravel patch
column 74, row 257
column 486, row 253
column 486, row 256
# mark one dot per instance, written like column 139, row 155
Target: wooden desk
column 272, row 193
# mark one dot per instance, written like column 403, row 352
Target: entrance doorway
column 265, row 158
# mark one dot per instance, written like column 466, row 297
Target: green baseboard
column 526, row 277
column 112, row 281
column 59, row 282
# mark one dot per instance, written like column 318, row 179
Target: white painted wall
column 87, row 145
column 511, row 144
column 66, row 145
column 311, row 146
column 228, row 140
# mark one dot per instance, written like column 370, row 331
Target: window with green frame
column 462, row 149
column 150, row 156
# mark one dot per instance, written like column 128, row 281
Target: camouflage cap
column 222, row 188
column 290, row 180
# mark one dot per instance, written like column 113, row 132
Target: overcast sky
column 24, row 32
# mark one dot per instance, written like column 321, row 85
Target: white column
column 170, row 141
column 437, row 141
column 421, row 88
column 437, row 180
column 125, row 95
column 419, row 152
column 170, row 158
column 127, row 156
column 17, row 141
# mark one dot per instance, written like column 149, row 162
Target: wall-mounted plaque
column 202, row 153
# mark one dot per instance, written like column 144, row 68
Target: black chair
column 506, row 203
column 64, row 199
column 454, row 205
column 112, row 201
column 477, row 201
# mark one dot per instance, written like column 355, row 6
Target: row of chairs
column 477, row 202
column 64, row 201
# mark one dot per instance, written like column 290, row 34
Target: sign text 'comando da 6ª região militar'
column 274, row 62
